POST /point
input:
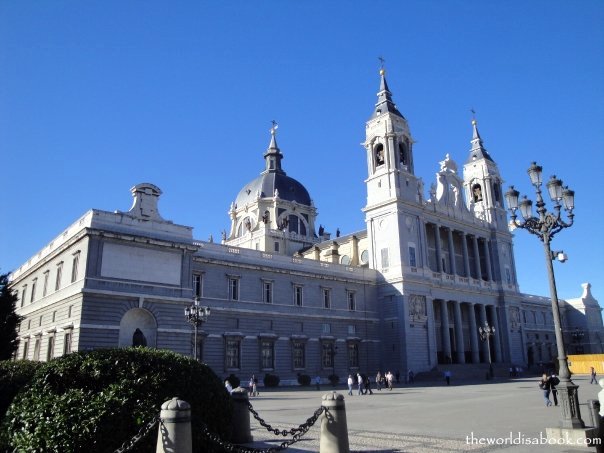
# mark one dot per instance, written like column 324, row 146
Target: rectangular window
column 69, row 311
column 25, row 349
column 45, row 287
column 297, row 295
column 327, row 354
column 37, row 349
column 67, row 343
column 233, row 288
column 326, row 298
column 59, row 276
column 352, row 329
column 276, row 246
column 353, row 355
column 23, row 294
column 74, row 266
column 196, row 285
column 232, row 353
column 508, row 276
column 299, row 355
column 352, row 304
column 40, row 321
column 54, row 316
column 50, row 352
column 267, row 351
column 33, row 290
column 412, row 259
column 385, row 260
column 267, row 292
column 326, row 328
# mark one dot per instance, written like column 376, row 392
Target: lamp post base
column 576, row 436
column 568, row 395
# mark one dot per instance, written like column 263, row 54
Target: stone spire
column 478, row 151
column 384, row 103
column 273, row 155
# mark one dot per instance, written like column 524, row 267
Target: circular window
column 345, row 260
column 365, row 257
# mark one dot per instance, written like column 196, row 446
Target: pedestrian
column 228, row 386
column 389, row 379
column 545, row 386
column 448, row 377
column 350, row 384
column 593, row 376
column 368, row 385
column 398, row 377
column 511, row 372
column 411, row 377
column 378, row 381
column 553, row 382
column 250, row 386
column 255, row 385
column 318, row 381
column 360, row 383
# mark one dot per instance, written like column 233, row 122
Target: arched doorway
column 138, row 328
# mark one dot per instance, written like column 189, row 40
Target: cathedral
column 413, row 291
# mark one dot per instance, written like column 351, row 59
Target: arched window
column 403, row 154
column 477, row 192
column 379, row 154
column 296, row 224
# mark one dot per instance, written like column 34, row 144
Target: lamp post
column 196, row 315
column 545, row 225
column 486, row 333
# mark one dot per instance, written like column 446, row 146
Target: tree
column 9, row 320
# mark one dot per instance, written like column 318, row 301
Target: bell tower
column 482, row 184
column 392, row 187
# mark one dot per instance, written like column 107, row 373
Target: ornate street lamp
column 196, row 315
column 545, row 225
column 486, row 333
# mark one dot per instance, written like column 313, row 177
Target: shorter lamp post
column 196, row 315
column 486, row 333
column 545, row 225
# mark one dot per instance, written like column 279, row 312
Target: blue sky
column 98, row 96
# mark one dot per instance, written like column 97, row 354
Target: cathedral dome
column 273, row 181
column 268, row 184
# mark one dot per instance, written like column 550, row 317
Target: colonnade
column 458, row 253
column 458, row 324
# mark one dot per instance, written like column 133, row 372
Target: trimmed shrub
column 334, row 379
column 233, row 380
column 13, row 377
column 303, row 379
column 271, row 380
column 94, row 401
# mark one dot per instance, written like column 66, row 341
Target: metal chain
column 302, row 428
column 299, row 432
column 142, row 433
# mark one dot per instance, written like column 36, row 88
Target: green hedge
column 94, row 401
column 13, row 377
column 271, row 380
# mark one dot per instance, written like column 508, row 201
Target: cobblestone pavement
column 427, row 417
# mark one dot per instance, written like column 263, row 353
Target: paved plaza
column 427, row 416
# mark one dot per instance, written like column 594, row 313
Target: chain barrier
column 296, row 432
column 142, row 433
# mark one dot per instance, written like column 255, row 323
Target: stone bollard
column 334, row 430
column 241, row 417
column 174, row 435
column 594, row 412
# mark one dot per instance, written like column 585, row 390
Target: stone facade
column 409, row 292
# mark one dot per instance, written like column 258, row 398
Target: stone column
column 444, row 328
column 439, row 260
column 477, row 258
column 451, row 251
column 466, row 259
column 459, row 343
column 174, row 434
column 241, row 417
column 483, row 320
column 496, row 337
column 473, row 334
column 333, row 437
column 487, row 258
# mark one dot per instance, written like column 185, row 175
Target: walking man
column 593, row 376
